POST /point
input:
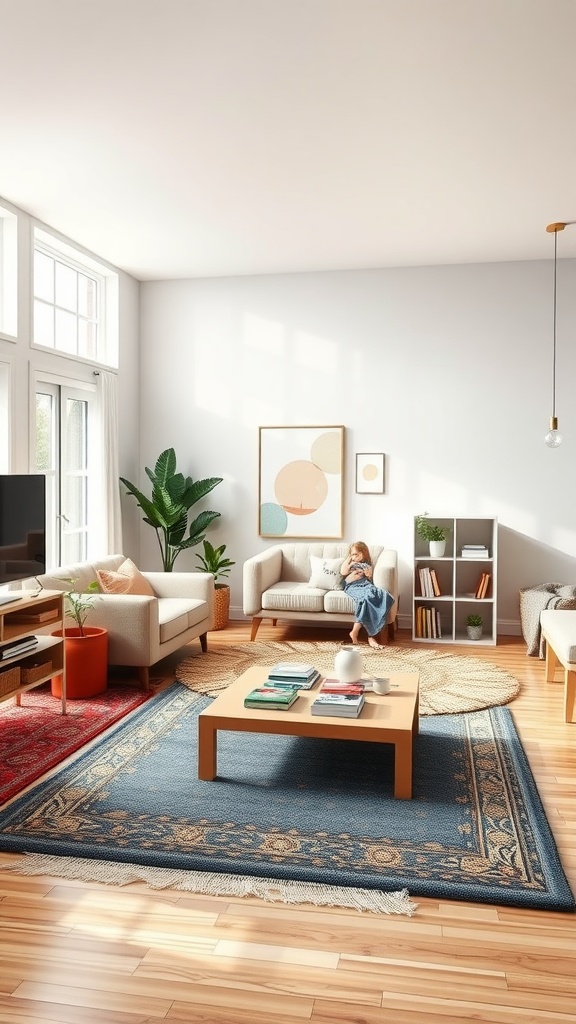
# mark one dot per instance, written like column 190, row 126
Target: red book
column 335, row 686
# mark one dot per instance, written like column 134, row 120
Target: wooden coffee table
column 391, row 718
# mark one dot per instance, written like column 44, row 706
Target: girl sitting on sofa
column 372, row 604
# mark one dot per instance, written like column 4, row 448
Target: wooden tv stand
column 26, row 615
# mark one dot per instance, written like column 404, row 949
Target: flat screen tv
column 22, row 526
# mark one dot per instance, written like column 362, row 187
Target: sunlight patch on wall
column 264, row 335
column 316, row 353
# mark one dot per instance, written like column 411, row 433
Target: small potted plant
column 474, row 627
column 432, row 533
column 86, row 647
column 213, row 561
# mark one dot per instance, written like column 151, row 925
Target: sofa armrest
column 134, row 614
column 199, row 585
column 259, row 573
column 386, row 571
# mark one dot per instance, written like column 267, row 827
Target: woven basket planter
column 221, row 605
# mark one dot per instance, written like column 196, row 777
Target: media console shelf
column 441, row 618
column 24, row 616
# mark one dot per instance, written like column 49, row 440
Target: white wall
column 445, row 369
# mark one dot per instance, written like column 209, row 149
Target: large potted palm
column 85, row 647
column 167, row 510
column 213, row 561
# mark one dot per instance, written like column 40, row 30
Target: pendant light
column 554, row 437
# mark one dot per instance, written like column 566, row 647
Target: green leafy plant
column 167, row 511
column 430, row 531
column 213, row 561
column 474, row 620
column 79, row 603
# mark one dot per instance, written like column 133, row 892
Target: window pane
column 44, row 435
column 43, row 324
column 73, row 547
column 87, row 292
column 75, row 434
column 87, row 334
column 75, row 501
column 66, row 287
column 66, row 340
column 43, row 277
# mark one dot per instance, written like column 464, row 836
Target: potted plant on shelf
column 213, row 561
column 86, row 647
column 474, row 627
column 173, row 495
column 432, row 533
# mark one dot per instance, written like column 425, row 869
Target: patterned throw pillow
column 326, row 573
column 126, row 580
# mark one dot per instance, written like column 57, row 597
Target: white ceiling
column 185, row 138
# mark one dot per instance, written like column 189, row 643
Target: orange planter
column 86, row 663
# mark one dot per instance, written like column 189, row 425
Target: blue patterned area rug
column 308, row 810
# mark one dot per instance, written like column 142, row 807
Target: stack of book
column 475, row 551
column 338, row 705
column 293, row 673
column 483, row 584
column 331, row 685
column 429, row 586
column 273, row 698
column 19, row 646
column 428, row 623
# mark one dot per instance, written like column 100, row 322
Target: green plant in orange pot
column 85, row 647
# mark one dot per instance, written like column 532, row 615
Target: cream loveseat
column 299, row 582
column 143, row 627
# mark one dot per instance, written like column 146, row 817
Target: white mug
column 381, row 685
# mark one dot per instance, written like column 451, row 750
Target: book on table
column 338, row 705
column 331, row 685
column 274, row 698
column 286, row 673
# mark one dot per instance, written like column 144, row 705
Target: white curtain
column 110, row 539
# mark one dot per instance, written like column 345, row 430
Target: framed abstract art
column 301, row 482
column 370, row 473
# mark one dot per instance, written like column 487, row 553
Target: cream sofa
column 276, row 585
column 144, row 629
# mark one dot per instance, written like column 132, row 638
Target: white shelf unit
column 458, row 579
column 38, row 616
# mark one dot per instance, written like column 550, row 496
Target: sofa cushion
column 126, row 580
column 174, row 615
column 294, row 597
column 338, row 601
column 326, row 573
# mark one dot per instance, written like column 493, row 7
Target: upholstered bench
column 559, row 634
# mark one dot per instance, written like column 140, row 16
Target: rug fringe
column 210, row 883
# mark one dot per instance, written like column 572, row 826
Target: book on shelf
column 485, row 585
column 475, row 551
column 338, row 705
column 435, row 584
column 273, row 698
column 19, row 646
column 35, row 618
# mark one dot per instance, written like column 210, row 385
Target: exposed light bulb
column 553, row 437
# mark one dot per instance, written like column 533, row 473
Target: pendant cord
column 554, row 327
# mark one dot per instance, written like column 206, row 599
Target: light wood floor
column 74, row 953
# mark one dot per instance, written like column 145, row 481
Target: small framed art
column 370, row 473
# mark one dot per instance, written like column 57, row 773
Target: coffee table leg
column 403, row 768
column 207, row 749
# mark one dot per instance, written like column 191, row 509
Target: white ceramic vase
column 348, row 664
column 437, row 548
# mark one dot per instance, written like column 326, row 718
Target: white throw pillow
column 326, row 573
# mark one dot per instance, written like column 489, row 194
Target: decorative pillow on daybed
column 326, row 573
column 126, row 580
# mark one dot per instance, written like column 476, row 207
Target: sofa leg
column 204, row 642
column 255, row 627
column 144, row 676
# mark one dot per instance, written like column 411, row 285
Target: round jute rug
column 449, row 683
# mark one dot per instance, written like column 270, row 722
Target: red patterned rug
column 36, row 736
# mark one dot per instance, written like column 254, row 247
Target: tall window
column 75, row 302
column 64, row 428
column 8, row 271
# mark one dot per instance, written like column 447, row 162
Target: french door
column 64, row 452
